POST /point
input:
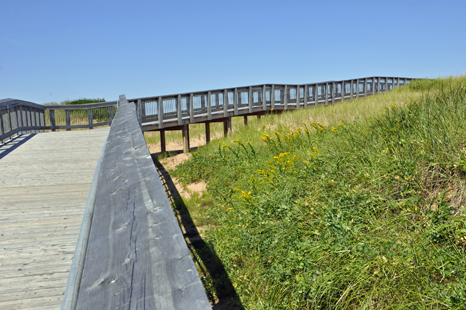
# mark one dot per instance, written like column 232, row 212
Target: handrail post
column 67, row 116
column 306, row 95
column 209, row 106
column 326, row 93
column 365, row 87
column 52, row 119
column 178, row 110
column 90, row 118
column 160, row 111
column 139, row 112
column 285, row 97
column 225, row 103
column 235, row 101
column 191, row 108
column 264, row 97
column 272, row 97
column 110, row 115
column 250, row 99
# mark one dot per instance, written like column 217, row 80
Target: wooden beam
column 245, row 120
column 227, row 126
column 136, row 256
column 207, row 132
column 185, row 133
column 163, row 143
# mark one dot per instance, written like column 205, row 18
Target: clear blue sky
column 59, row 50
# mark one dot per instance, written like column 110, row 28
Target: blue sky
column 64, row 50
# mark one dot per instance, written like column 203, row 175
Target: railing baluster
column 306, row 95
column 209, row 106
column 264, row 97
column 272, row 97
column 285, row 97
column 235, row 101
column 250, row 99
column 52, row 119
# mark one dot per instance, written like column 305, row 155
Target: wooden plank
column 41, row 211
column 136, row 256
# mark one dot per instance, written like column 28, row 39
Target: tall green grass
column 345, row 207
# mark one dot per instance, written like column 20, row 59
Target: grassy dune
column 357, row 205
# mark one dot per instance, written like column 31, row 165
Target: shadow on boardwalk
column 11, row 145
column 203, row 254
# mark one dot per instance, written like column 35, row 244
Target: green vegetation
column 358, row 205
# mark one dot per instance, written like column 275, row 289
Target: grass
column 357, row 205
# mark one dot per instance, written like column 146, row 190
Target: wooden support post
column 343, row 90
column 207, row 132
column 227, row 126
column 163, row 143
column 386, row 84
column 285, row 98
column 191, row 108
column 245, row 120
column 298, row 96
column 90, row 118
column 351, row 89
column 374, row 90
column 160, row 111
column 185, row 133
column 258, row 116
column 272, row 97
column 42, row 120
column 333, row 92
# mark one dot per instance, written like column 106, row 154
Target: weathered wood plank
column 41, row 210
column 136, row 256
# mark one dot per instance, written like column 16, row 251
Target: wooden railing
column 18, row 116
column 178, row 109
column 131, row 251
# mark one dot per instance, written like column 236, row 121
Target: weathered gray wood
column 333, row 92
column 13, row 118
column 41, row 211
column 272, row 97
column 365, row 87
column 90, row 118
column 110, row 115
column 235, row 101
column 285, row 97
column 326, row 93
column 185, row 134
column 179, row 110
column 68, row 122
column 207, row 132
column 209, row 106
column 5, row 120
column 225, row 102
column 191, row 108
column 227, row 127
column 52, row 119
column 264, row 99
column 137, row 257
column 160, row 111
column 250, row 99
column 306, row 96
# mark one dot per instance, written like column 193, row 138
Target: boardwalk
column 44, row 186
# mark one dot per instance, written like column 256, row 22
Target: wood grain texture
column 136, row 257
column 44, row 184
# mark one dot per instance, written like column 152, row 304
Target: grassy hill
column 357, row 205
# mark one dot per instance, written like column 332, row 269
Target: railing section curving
column 19, row 116
column 178, row 109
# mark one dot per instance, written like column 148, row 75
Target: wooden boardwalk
column 45, row 180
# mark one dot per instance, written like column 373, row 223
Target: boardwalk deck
column 44, row 186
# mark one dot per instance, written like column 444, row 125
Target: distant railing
column 18, row 116
column 205, row 105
